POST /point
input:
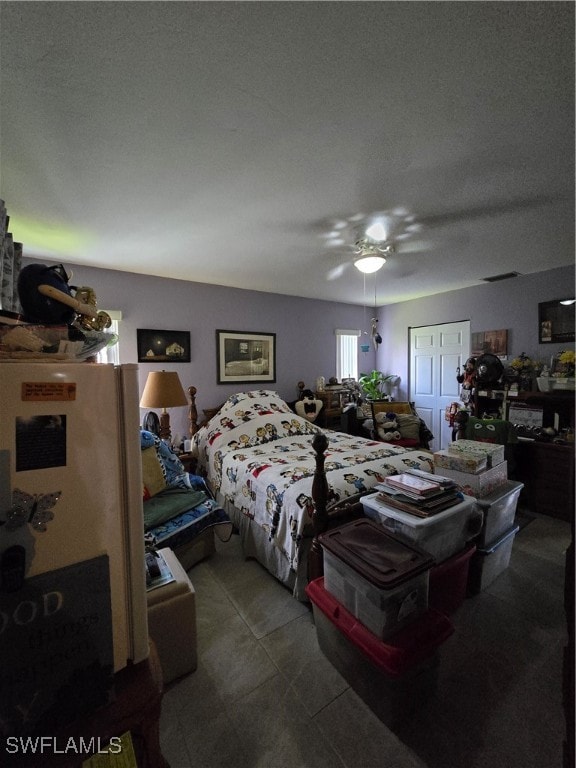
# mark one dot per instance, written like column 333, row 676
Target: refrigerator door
column 71, row 485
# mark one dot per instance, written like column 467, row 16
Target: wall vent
column 503, row 276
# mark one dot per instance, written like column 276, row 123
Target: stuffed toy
column 387, row 427
column 308, row 407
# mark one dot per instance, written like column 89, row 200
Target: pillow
column 153, row 478
column 408, row 426
column 247, row 400
column 175, row 476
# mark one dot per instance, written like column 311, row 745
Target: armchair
column 413, row 431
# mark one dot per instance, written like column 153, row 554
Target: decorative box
column 482, row 484
column 493, row 452
column 460, row 461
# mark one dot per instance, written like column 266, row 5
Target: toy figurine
column 46, row 297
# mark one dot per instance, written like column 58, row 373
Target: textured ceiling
column 222, row 142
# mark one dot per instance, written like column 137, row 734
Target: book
column 420, row 510
column 413, row 484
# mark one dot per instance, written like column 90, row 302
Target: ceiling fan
column 381, row 234
column 366, row 241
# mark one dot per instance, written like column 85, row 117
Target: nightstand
column 189, row 461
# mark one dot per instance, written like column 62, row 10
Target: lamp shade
column 163, row 390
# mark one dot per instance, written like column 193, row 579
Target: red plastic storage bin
column 392, row 677
column 448, row 582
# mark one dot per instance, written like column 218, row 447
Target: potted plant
column 373, row 384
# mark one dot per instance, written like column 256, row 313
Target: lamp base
column 165, row 433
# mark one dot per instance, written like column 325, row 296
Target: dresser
column 547, row 471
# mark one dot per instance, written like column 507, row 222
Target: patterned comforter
column 258, row 456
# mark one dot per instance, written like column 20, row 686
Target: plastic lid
column 375, row 502
column 375, row 554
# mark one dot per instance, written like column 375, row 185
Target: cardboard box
column 482, row 484
column 493, row 452
column 461, row 461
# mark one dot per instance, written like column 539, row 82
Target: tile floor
column 264, row 696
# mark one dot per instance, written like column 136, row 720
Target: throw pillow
column 153, row 477
column 176, row 475
column 409, row 426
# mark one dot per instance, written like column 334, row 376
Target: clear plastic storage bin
column 442, row 535
column 382, row 581
column 499, row 510
column 489, row 562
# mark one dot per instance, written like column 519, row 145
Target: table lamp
column 163, row 390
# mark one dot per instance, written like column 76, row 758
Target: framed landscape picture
column 246, row 357
column 163, row 346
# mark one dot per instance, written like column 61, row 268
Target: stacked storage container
column 494, row 543
column 480, row 470
column 372, row 617
column 445, row 535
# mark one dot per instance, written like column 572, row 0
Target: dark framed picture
column 163, row 346
column 493, row 342
column 246, row 357
column 556, row 321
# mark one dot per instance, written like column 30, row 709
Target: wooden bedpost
column 192, row 412
column 319, row 515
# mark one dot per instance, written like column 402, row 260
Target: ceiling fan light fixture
column 369, row 264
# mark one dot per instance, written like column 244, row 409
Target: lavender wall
column 510, row 304
column 305, row 339
column 306, row 345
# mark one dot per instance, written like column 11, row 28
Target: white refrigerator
column 71, row 524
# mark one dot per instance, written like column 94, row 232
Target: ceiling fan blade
column 414, row 246
column 336, row 272
column 489, row 210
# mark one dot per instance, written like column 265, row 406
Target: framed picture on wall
column 493, row 342
column 245, row 357
column 556, row 321
column 163, row 346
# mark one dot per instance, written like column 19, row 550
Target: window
column 111, row 354
column 346, row 354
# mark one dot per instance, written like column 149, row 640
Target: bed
column 279, row 477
